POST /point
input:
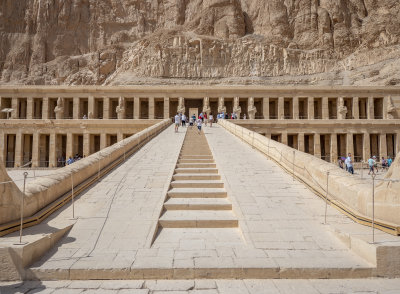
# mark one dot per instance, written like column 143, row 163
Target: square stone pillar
column 268, row 135
column 333, row 148
column 86, row 144
column 18, row 149
column 14, row 105
column 45, row 108
column 382, row 146
column 370, row 108
column 106, row 108
column 349, row 144
column 91, row 107
column 356, row 110
column 136, row 107
column 266, row 107
column 120, row 136
column 166, row 107
column 317, row 145
column 284, row 138
column 325, row 108
column 310, row 108
column 296, row 107
column 281, row 108
column 103, row 141
column 366, row 147
column 29, row 108
column 70, row 146
column 35, row 150
column 53, row 150
column 300, row 138
column 151, row 107
column 2, row 147
column 76, row 108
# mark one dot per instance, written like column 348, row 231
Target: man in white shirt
column 183, row 120
column 199, row 123
column 177, row 122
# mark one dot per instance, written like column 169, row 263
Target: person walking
column 210, row 119
column 183, row 120
column 177, row 122
column 349, row 164
column 205, row 118
column 199, row 123
column 371, row 165
column 389, row 161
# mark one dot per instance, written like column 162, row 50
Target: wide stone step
column 197, row 184
column 197, row 193
column 196, row 165
column 196, row 170
column 198, row 219
column 200, row 160
column 185, row 177
column 198, row 204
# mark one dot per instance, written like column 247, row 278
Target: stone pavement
column 370, row 286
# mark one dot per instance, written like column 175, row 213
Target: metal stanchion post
column 294, row 156
column 373, row 208
column 327, row 193
column 22, row 213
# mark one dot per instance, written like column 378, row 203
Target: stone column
column 281, row 108
column 70, row 146
column 53, row 150
column 268, row 135
column 356, row 110
column 310, row 108
column 35, row 149
column 397, row 142
column 266, row 107
column 91, row 107
column 349, row 144
column 120, row 136
column 86, row 144
column 325, row 108
column 296, row 108
column 366, row 147
column 151, row 107
column 333, row 147
column 2, row 147
column 45, row 109
column 29, row 108
column 18, row 149
column 284, row 138
column 166, row 107
column 103, row 141
column 317, row 145
column 76, row 108
column 382, row 146
column 300, row 139
column 136, row 107
column 106, row 108
column 14, row 105
column 370, row 108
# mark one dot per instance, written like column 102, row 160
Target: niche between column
column 37, row 108
column 159, row 108
column 273, row 108
column 44, row 150
column 303, row 108
column 27, row 141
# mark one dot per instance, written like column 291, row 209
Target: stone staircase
column 197, row 198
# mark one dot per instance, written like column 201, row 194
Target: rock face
column 212, row 41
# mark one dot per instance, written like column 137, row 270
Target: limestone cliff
column 200, row 41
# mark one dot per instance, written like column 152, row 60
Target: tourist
column 340, row 162
column 183, row 120
column 84, row 116
column 383, row 163
column 349, row 164
column 177, row 122
column 375, row 164
column 371, row 165
column 210, row 119
column 201, row 116
column 389, row 161
column 205, row 119
column 191, row 122
column 70, row 160
column 244, row 116
column 199, row 122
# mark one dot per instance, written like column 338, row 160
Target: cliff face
column 218, row 41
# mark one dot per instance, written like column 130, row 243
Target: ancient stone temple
column 292, row 187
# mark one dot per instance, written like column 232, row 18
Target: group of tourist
column 347, row 163
column 181, row 119
column 225, row 115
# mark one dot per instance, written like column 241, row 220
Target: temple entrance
column 191, row 105
column 194, row 111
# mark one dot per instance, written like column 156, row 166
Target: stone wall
column 350, row 192
column 45, row 190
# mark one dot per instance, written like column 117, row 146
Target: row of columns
column 349, row 144
column 53, row 148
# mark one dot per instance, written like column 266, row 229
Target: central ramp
column 197, row 198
